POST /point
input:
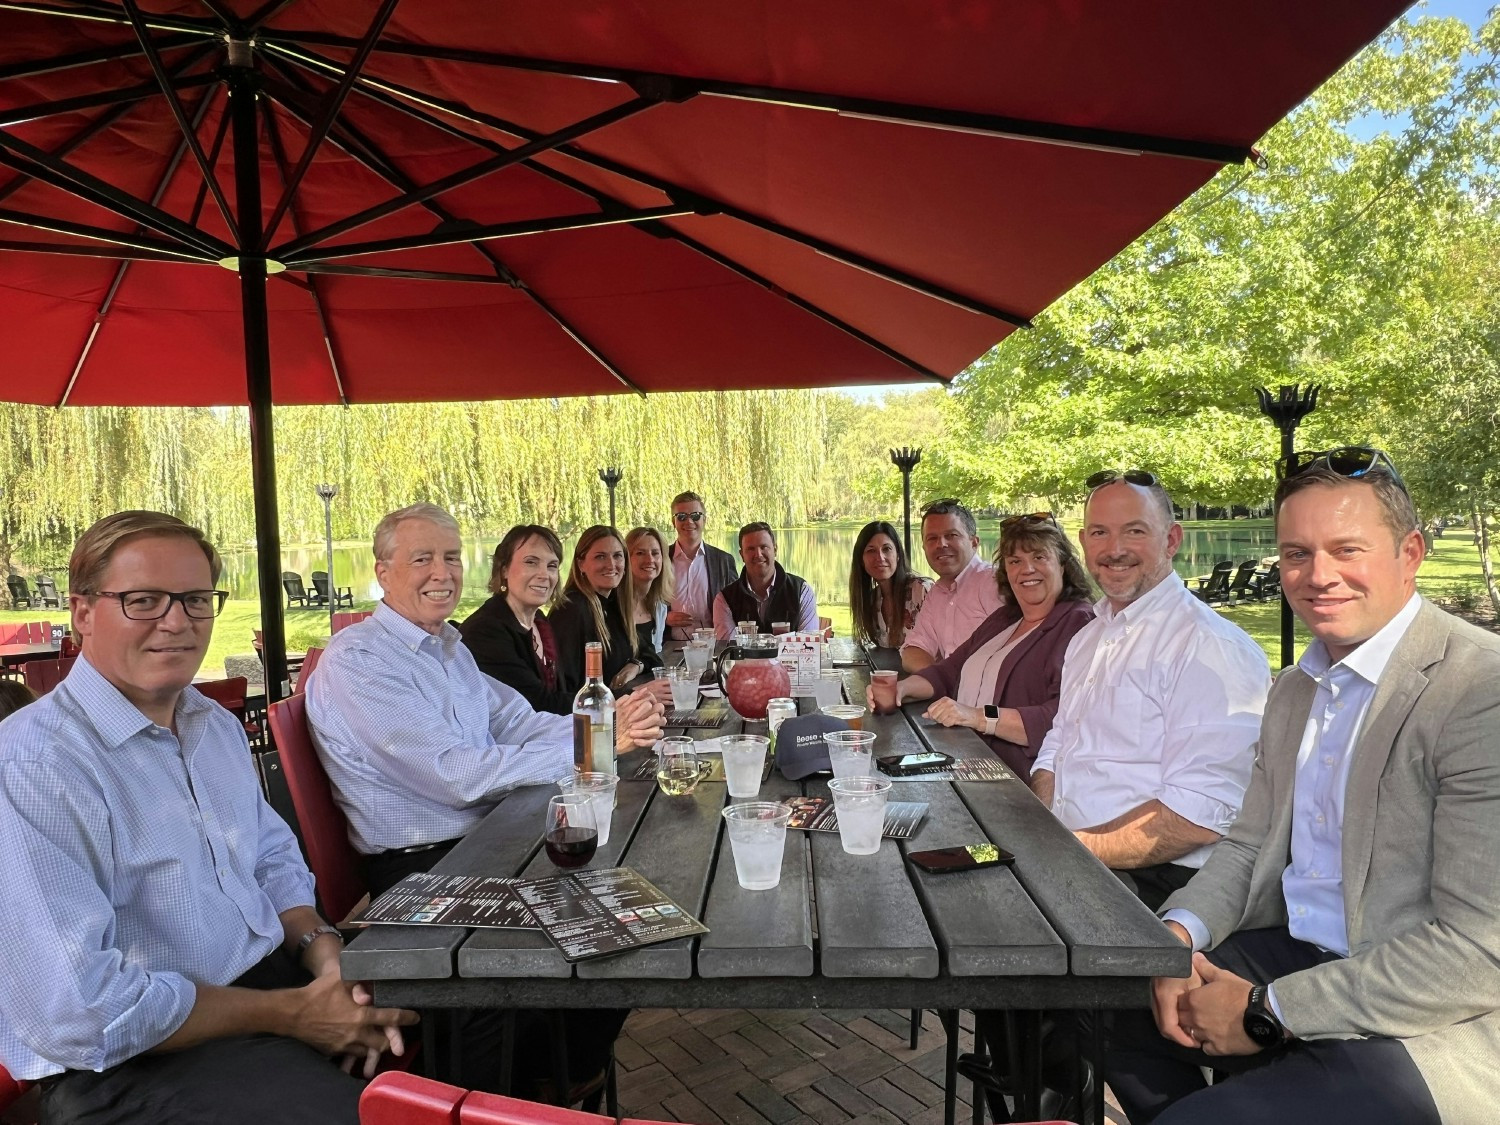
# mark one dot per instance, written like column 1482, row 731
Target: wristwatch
column 314, row 934
column 991, row 717
column 1261, row 1024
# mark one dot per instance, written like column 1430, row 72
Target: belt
column 415, row 848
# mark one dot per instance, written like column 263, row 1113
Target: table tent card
column 802, row 655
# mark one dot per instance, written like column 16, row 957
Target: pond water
column 820, row 554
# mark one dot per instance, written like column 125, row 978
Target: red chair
column 344, row 620
column 26, row 633
column 10, row 1089
column 405, row 1099
column 228, row 694
column 325, row 832
column 309, row 662
column 43, row 675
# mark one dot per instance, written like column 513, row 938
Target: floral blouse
column 916, row 593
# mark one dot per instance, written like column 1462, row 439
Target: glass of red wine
column 571, row 837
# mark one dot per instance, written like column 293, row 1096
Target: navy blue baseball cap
column 800, row 749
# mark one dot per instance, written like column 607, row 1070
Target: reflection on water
column 821, row 555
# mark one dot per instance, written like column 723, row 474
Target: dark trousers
column 1321, row 1082
column 470, row 1040
column 251, row 1079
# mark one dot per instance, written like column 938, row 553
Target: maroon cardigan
column 1029, row 680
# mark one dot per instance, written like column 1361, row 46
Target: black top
column 573, row 625
column 645, row 644
column 503, row 649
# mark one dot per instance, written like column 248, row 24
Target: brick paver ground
column 776, row 1067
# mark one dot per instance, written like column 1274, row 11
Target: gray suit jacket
column 1421, row 851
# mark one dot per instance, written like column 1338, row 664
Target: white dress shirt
column 690, row 594
column 418, row 743
column 1160, row 700
column 953, row 609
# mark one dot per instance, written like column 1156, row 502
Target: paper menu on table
column 817, row 814
column 425, row 899
column 595, row 913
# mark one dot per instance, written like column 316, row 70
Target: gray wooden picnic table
column 1055, row 931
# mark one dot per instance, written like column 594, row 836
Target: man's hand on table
column 638, row 718
column 338, row 1018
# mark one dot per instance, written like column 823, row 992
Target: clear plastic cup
column 685, row 688
column 744, row 762
column 600, row 789
column 829, row 690
column 696, row 655
column 883, row 691
column 750, row 629
column 851, row 753
column 860, row 805
column 851, row 713
column 757, row 837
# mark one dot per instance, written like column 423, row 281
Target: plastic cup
column 851, row 753
column 883, row 689
column 829, row 690
column 697, row 654
column 860, row 805
column 749, row 628
column 779, row 628
column 744, row 762
column 684, row 688
column 851, row 713
column 757, row 837
column 600, row 789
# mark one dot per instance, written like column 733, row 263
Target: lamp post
column 611, row 477
column 906, row 460
column 1286, row 409
column 326, row 492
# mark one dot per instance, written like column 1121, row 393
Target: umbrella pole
column 252, row 270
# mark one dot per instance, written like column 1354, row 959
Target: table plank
column 760, row 933
column 870, row 923
column 527, row 953
column 1108, row 930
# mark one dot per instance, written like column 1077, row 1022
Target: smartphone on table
column 899, row 764
column 968, row 857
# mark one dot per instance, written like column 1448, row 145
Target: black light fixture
column 326, row 493
column 906, row 460
column 1286, row 409
column 611, row 477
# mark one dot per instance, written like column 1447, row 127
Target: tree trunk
column 1486, row 566
column 5, row 599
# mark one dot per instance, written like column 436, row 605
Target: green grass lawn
column 1452, row 570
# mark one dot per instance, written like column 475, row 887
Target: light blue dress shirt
column 1313, row 882
column 134, row 863
column 419, row 744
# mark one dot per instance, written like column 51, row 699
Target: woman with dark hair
column 884, row 594
column 594, row 607
column 654, row 587
column 13, row 696
column 1004, row 680
column 508, row 636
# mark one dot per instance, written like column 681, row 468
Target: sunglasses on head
column 1029, row 517
column 1352, row 461
column 683, row 517
column 1129, row 476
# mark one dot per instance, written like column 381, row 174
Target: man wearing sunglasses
column 700, row 570
column 1161, row 699
column 1351, row 918
column 162, row 951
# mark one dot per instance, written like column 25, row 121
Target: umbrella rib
column 278, row 154
column 97, row 99
column 110, row 15
column 330, row 114
column 213, row 159
column 16, row 153
column 119, row 278
column 467, row 175
column 98, row 234
column 482, row 232
column 266, row 11
column 82, row 251
column 143, row 36
column 899, row 113
column 87, row 58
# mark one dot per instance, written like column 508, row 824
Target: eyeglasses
column 153, row 605
column 683, row 517
column 1129, row 476
column 1030, row 517
column 1352, row 461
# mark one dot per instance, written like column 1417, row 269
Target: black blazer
column 573, row 625
column 502, row 648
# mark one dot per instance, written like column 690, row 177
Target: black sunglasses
column 1352, row 461
column 1129, row 476
column 1029, row 517
column 683, row 517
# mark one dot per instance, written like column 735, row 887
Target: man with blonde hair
column 162, row 951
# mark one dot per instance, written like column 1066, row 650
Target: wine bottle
column 594, row 715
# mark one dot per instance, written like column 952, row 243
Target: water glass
column 851, row 753
column 685, row 688
column 744, row 762
column 851, row 713
column 860, row 805
column 677, row 767
column 757, row 837
column 829, row 690
column 780, row 628
column 697, row 654
column 599, row 788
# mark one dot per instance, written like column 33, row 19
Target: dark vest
column 784, row 604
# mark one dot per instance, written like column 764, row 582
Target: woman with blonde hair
column 654, row 587
column 595, row 607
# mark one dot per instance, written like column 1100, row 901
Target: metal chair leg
column 949, row 1018
column 916, row 1026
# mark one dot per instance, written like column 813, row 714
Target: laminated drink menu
column 425, row 899
column 589, row 914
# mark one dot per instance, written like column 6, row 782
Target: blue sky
column 1472, row 12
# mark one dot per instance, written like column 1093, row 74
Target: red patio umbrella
column 478, row 200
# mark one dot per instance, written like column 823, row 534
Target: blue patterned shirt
column 418, row 742
column 134, row 863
